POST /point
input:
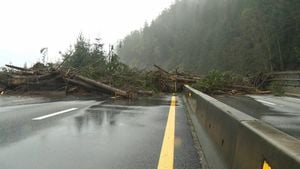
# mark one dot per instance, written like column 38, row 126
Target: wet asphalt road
column 111, row 134
column 281, row 112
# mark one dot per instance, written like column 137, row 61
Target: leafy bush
column 277, row 88
column 217, row 80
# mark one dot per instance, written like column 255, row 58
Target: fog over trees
column 242, row 36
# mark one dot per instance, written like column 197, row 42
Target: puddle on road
column 109, row 112
column 115, row 107
column 141, row 102
column 96, row 118
column 118, row 112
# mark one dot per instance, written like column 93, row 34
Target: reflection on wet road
column 108, row 134
column 18, row 100
column 281, row 112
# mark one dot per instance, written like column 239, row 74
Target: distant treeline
column 244, row 36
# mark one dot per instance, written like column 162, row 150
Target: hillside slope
column 243, row 36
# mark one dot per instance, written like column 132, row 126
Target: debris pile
column 41, row 78
column 229, row 83
column 171, row 81
column 129, row 84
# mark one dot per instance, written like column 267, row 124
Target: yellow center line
column 266, row 165
column 166, row 159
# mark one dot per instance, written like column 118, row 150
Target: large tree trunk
column 16, row 80
column 103, row 86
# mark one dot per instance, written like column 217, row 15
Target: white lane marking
column 54, row 114
column 270, row 103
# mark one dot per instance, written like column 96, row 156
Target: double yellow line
column 166, row 160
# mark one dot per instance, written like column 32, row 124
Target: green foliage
column 244, row 36
column 39, row 66
column 90, row 60
column 217, row 80
column 277, row 89
column 86, row 58
column 297, row 53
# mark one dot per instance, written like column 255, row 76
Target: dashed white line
column 266, row 102
column 54, row 114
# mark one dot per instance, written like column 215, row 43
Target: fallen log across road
column 102, row 86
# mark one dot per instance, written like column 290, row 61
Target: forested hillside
column 243, row 36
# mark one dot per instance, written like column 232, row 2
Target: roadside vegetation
column 277, row 89
column 217, row 82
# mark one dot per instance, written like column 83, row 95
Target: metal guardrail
column 286, row 79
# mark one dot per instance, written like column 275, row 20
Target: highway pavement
column 89, row 134
column 281, row 112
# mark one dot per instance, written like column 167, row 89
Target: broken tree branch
column 17, row 68
column 161, row 69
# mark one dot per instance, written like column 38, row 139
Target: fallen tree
column 102, row 86
column 171, row 81
column 21, row 79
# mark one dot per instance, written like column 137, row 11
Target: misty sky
column 29, row 25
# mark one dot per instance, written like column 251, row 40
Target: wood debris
column 37, row 79
column 171, row 81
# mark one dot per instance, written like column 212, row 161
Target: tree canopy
column 90, row 59
column 244, row 36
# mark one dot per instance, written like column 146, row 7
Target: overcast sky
column 26, row 26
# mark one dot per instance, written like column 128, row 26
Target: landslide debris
column 128, row 84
